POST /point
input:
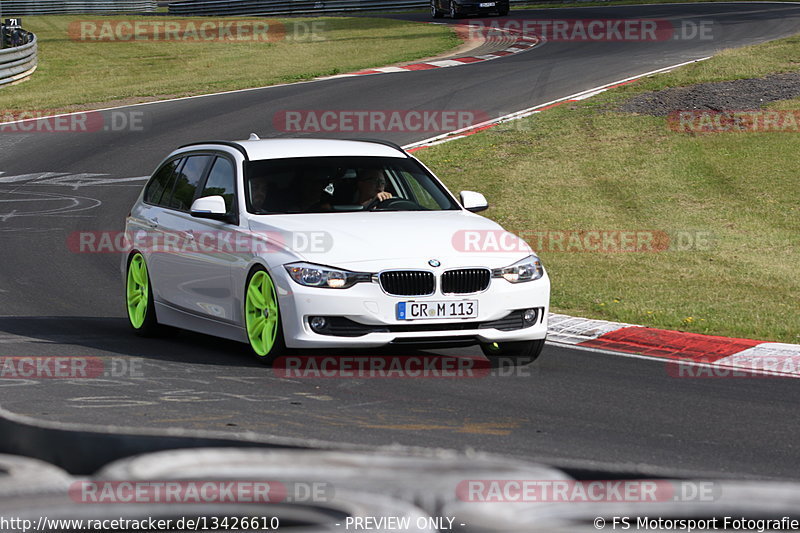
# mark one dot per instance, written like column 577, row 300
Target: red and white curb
column 522, row 43
column 720, row 354
column 583, row 95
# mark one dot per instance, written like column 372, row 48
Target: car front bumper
column 371, row 315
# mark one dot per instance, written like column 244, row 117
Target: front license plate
column 487, row 4
column 425, row 310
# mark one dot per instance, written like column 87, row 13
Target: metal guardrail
column 293, row 7
column 53, row 7
column 19, row 62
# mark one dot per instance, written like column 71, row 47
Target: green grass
column 556, row 4
column 584, row 166
column 601, row 3
column 75, row 74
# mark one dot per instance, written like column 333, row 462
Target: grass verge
column 76, row 71
column 585, row 167
column 565, row 4
column 601, row 3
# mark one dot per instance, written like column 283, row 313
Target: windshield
column 341, row 184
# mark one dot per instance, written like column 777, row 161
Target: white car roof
column 286, row 148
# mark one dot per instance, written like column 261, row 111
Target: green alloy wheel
column 262, row 317
column 139, row 297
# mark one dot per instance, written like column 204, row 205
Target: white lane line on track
column 31, row 177
column 76, row 204
column 725, row 14
column 446, row 137
column 74, row 181
column 31, row 200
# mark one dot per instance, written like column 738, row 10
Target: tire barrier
column 420, row 486
column 429, row 481
column 701, row 501
column 22, row 476
column 19, row 59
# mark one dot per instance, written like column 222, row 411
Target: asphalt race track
column 570, row 407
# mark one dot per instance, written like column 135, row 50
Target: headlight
column 312, row 275
column 528, row 269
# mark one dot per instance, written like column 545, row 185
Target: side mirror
column 212, row 207
column 473, row 201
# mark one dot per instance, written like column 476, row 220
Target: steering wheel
column 392, row 204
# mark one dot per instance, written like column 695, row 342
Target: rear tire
column 504, row 354
column 435, row 13
column 262, row 317
column 503, row 12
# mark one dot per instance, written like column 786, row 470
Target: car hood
column 370, row 241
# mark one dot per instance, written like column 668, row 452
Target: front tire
column 139, row 298
column 454, row 14
column 262, row 317
column 435, row 13
column 503, row 354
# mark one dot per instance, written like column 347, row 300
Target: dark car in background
column 458, row 8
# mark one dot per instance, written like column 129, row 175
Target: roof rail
column 230, row 144
column 380, row 141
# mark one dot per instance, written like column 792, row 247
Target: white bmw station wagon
column 291, row 244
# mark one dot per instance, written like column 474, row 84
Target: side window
column 221, row 182
column 160, row 182
column 187, row 181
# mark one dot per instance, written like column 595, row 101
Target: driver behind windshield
column 370, row 183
